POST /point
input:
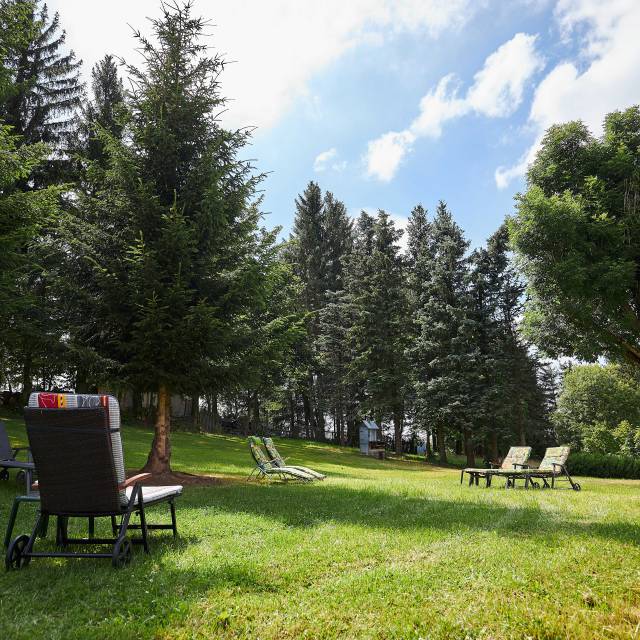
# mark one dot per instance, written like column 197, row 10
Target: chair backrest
column 6, row 452
column 257, row 453
column 272, row 451
column 554, row 455
column 77, row 404
column 516, row 455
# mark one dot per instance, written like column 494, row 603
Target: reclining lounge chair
column 516, row 458
column 553, row 467
column 265, row 468
column 76, row 446
column 8, row 459
column 280, row 462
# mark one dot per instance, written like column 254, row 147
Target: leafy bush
column 601, row 465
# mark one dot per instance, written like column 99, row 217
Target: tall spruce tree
column 104, row 113
column 47, row 91
column 439, row 356
column 23, row 214
column 176, row 213
column 84, row 231
column 419, row 259
column 309, row 260
column 379, row 332
column 39, row 105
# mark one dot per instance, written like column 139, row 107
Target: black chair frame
column 21, row 549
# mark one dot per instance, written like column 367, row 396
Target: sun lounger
column 552, row 468
column 516, row 458
column 265, row 468
column 280, row 462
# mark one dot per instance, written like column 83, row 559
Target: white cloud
column 277, row 45
column 329, row 160
column 385, row 154
column 610, row 79
column 323, row 159
column 496, row 91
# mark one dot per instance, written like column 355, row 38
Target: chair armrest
column 137, row 479
column 522, row 466
column 17, row 450
column 557, row 464
column 494, row 465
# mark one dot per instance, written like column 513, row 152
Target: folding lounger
column 76, row 446
column 8, row 459
column 280, row 462
column 265, row 468
column 516, row 458
column 553, row 467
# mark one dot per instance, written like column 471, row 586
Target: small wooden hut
column 371, row 443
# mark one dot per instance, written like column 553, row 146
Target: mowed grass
column 389, row 549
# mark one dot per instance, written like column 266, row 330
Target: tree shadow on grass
column 309, row 506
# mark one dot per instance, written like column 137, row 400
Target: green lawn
column 378, row 550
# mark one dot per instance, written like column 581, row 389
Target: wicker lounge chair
column 280, row 462
column 8, row 459
column 552, row 468
column 516, row 458
column 76, row 446
column 265, row 468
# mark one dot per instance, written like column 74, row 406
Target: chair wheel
column 4, row 474
column 121, row 553
column 576, row 486
column 15, row 558
column 20, row 476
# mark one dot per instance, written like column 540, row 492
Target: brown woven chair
column 78, row 454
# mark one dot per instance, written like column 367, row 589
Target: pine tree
column 419, row 259
column 40, row 90
column 309, row 260
column 379, row 332
column 105, row 113
column 178, row 216
column 47, row 90
column 440, row 354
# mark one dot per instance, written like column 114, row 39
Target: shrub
column 601, row 465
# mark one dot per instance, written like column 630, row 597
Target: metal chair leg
column 12, row 521
column 173, row 518
column 143, row 529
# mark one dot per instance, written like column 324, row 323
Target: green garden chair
column 552, row 469
column 265, row 468
column 280, row 462
column 516, row 458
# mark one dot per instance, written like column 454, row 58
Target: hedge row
column 600, row 465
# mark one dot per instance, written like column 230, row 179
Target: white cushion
column 152, row 494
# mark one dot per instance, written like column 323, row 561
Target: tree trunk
column 427, row 445
column 195, row 410
column 494, row 454
column 468, row 449
column 159, row 460
column 27, row 381
column 397, row 431
column 522, row 436
column 442, row 451
column 293, row 423
column 308, row 418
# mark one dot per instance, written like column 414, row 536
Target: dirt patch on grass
column 180, row 477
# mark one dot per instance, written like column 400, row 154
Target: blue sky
column 390, row 103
